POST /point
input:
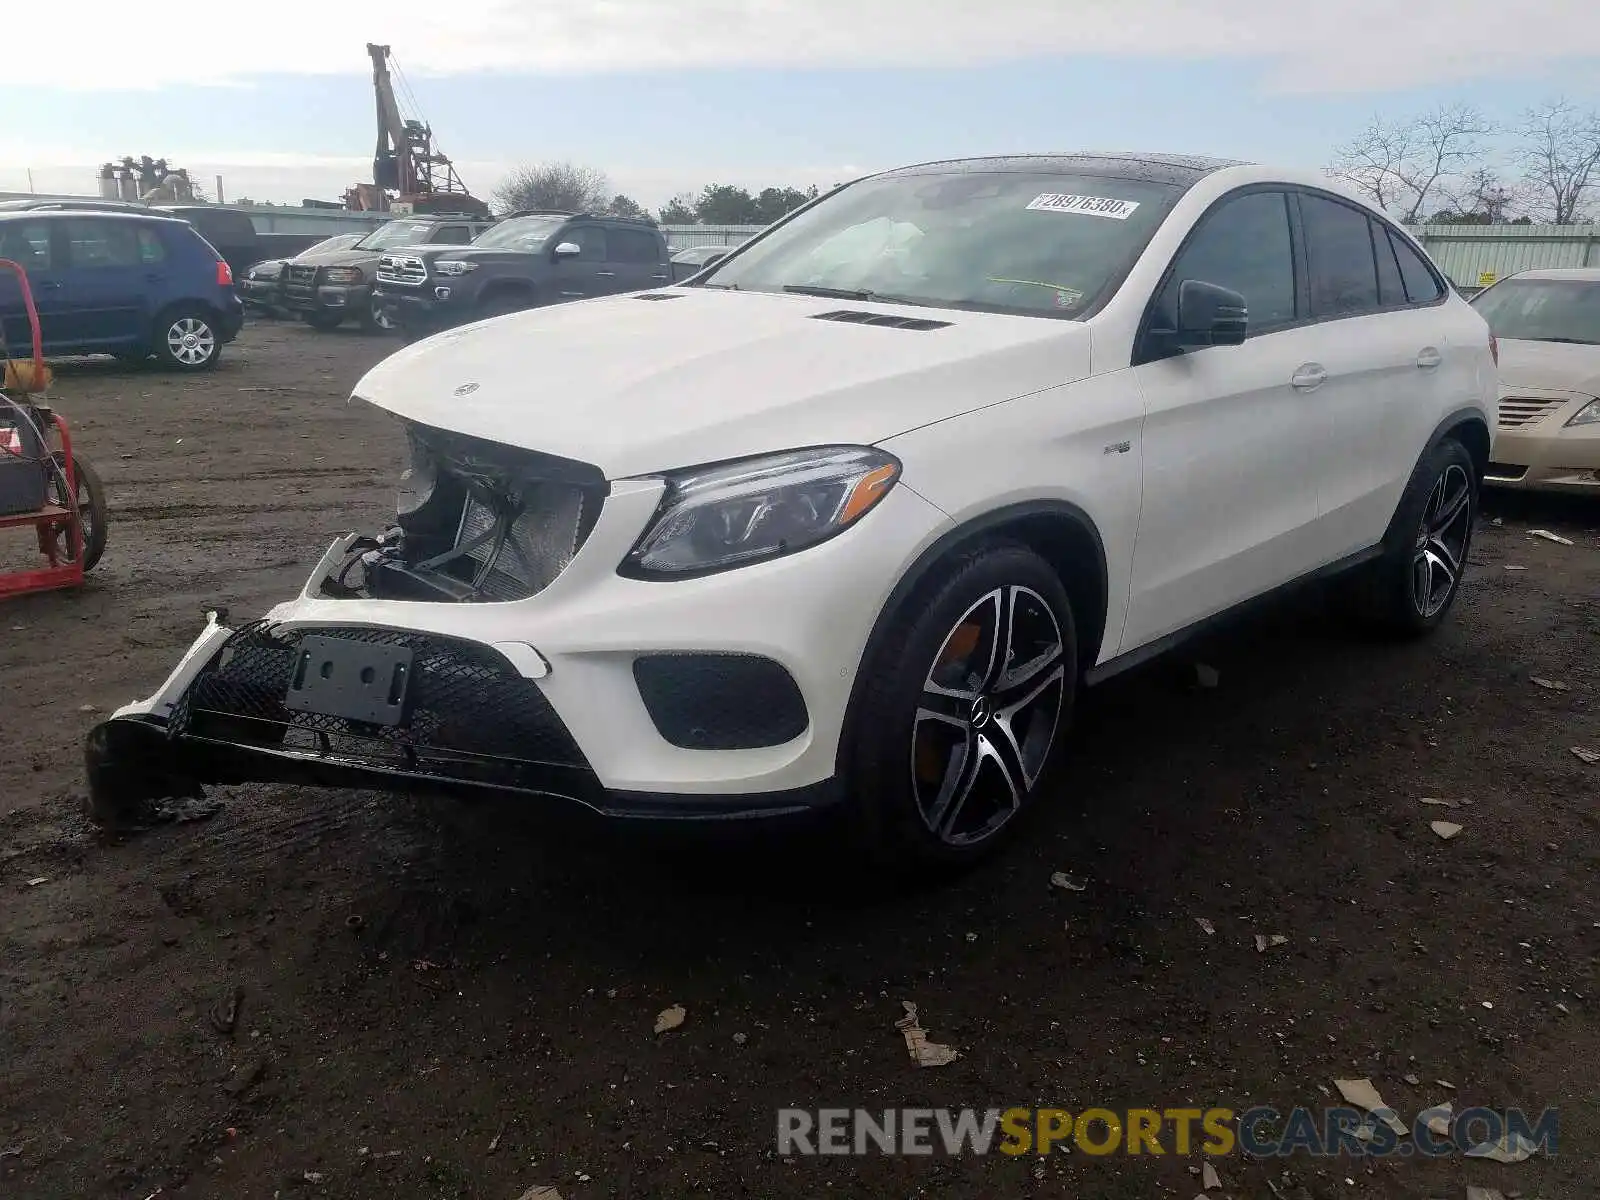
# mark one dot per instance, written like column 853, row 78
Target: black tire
column 172, row 334
column 905, row 729
column 322, row 320
column 498, row 304
column 91, row 506
column 1409, row 590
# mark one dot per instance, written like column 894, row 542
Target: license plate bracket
column 356, row 681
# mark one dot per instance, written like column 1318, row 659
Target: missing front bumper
column 473, row 723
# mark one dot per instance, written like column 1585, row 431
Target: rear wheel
column 187, row 340
column 1410, row 588
column 963, row 710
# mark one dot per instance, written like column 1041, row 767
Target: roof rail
column 647, row 219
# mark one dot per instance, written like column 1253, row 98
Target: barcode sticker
column 1089, row 206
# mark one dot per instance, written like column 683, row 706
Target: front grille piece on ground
column 471, row 717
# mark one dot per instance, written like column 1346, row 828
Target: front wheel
column 1410, row 588
column 377, row 319
column 963, row 710
column 186, row 339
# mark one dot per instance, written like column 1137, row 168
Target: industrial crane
column 405, row 162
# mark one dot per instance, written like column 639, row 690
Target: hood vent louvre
column 856, row 317
column 660, row 296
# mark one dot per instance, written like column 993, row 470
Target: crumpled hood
column 635, row 386
column 1549, row 366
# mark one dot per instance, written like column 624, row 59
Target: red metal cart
column 71, row 521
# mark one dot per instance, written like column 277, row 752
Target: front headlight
column 453, row 266
column 344, row 275
column 714, row 518
column 1589, row 414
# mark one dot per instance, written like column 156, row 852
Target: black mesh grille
column 466, row 703
column 720, row 701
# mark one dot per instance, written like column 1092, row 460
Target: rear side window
column 1339, row 258
column 1391, row 291
column 1422, row 286
column 151, row 248
column 94, row 243
column 633, row 246
column 1243, row 244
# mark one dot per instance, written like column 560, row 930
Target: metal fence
column 681, row 237
column 1474, row 256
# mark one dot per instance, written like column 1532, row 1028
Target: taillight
column 224, row 274
column 1494, row 348
column 11, row 441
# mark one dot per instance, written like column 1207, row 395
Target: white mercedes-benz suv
column 852, row 515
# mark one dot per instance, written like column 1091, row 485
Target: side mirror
column 1209, row 315
column 567, row 250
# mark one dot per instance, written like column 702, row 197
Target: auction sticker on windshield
column 1091, row 206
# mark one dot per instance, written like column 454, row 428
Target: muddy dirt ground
column 442, row 1000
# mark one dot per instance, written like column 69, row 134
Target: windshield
column 519, row 233
column 993, row 241
column 1543, row 310
column 339, row 241
column 395, row 233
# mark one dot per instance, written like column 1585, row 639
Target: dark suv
column 113, row 282
column 528, row 259
column 327, row 285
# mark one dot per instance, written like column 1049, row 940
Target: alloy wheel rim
column 191, row 341
column 380, row 317
column 1441, row 548
column 988, row 715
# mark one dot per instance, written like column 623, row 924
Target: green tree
column 724, row 204
column 775, row 203
column 625, row 206
column 678, row 211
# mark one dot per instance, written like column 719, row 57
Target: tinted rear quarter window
column 1243, row 244
column 1391, row 291
column 1422, row 286
column 1339, row 258
column 27, row 243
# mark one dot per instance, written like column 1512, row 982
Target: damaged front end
column 354, row 702
column 475, row 521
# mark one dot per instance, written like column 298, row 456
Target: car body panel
column 680, row 395
column 1544, row 385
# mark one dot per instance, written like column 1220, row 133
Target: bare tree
column 1402, row 166
column 563, row 186
column 1560, row 156
column 1483, row 196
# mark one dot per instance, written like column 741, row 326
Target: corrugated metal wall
column 1477, row 255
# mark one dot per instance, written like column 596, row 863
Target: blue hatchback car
column 129, row 284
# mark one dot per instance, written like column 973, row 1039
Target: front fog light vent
column 720, row 701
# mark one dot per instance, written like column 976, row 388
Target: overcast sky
column 667, row 96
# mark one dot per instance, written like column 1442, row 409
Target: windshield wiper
column 805, row 289
column 1569, row 341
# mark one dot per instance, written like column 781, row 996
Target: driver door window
column 1244, row 245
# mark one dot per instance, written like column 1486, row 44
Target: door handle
column 1428, row 358
column 1309, row 377
column 605, row 274
column 48, row 285
column 155, row 278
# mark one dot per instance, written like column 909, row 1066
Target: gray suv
column 528, row 259
column 325, row 287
